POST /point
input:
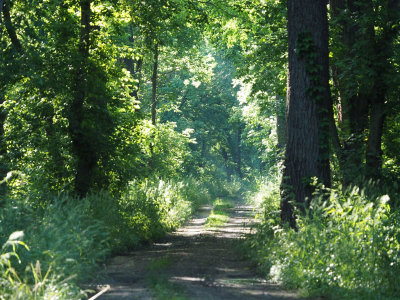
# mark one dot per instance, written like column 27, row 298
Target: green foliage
column 75, row 100
column 346, row 248
column 167, row 148
column 43, row 286
column 66, row 244
column 153, row 207
column 220, row 213
column 69, row 237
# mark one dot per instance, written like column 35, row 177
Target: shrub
column 155, row 206
column 347, row 247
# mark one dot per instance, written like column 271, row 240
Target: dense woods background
column 118, row 118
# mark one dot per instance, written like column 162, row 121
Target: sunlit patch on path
column 195, row 262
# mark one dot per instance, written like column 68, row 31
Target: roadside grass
column 159, row 284
column 48, row 248
column 344, row 248
column 220, row 213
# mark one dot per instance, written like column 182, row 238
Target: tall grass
column 60, row 243
column 347, row 247
column 65, row 244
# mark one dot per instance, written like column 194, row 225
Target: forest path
column 194, row 262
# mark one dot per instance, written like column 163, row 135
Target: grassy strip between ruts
column 220, row 213
column 158, row 282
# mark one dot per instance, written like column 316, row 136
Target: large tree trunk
column 81, row 145
column 308, row 100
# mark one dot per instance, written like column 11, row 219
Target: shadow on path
column 202, row 262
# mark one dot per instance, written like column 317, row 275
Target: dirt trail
column 195, row 263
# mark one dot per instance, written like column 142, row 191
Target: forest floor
column 195, row 262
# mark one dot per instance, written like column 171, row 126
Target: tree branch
column 10, row 28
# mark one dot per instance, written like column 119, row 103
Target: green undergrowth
column 344, row 248
column 160, row 286
column 49, row 248
column 220, row 212
column 151, row 208
column 60, row 245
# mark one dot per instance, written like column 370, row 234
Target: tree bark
column 10, row 28
column 154, row 79
column 53, row 144
column 135, row 92
column 384, row 51
column 81, row 145
column 307, row 110
column 3, row 150
column 280, row 124
column 353, row 103
column 374, row 150
column 226, row 160
column 239, row 151
column 134, row 66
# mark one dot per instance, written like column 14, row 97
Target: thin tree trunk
column 154, row 79
column 239, row 151
column 135, row 92
column 354, row 107
column 374, row 151
column 308, row 100
column 226, row 160
column 134, row 66
column 10, row 28
column 3, row 150
column 5, row 11
column 383, row 51
column 54, row 146
column 366, row 100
